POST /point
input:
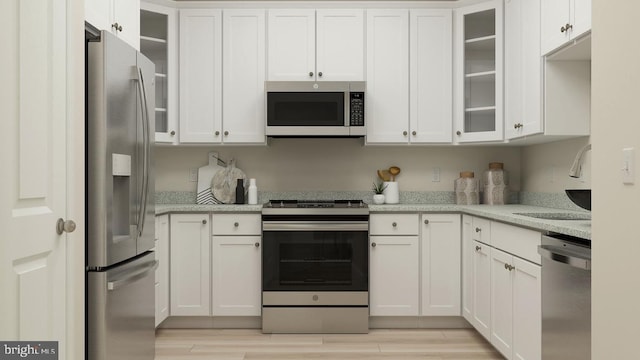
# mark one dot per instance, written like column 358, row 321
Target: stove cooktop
column 315, row 204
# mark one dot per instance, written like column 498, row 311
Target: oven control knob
column 315, row 297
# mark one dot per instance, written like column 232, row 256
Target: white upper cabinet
column 563, row 21
column 387, row 93
column 243, row 61
column 291, row 45
column 479, row 72
column 523, row 69
column 431, row 96
column 121, row 17
column 340, row 45
column 158, row 42
column 322, row 45
column 200, row 76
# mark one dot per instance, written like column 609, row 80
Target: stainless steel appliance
column 566, row 298
column 120, row 204
column 307, row 108
column 315, row 267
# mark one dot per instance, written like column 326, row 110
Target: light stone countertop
column 503, row 213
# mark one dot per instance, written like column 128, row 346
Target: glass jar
column 467, row 189
column 495, row 185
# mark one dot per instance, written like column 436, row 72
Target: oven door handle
column 315, row 226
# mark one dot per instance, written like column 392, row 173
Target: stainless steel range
column 315, row 267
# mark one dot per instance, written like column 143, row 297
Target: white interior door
column 39, row 99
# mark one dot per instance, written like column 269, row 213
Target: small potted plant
column 378, row 188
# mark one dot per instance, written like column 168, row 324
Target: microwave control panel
column 356, row 109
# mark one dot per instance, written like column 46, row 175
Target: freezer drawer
column 121, row 311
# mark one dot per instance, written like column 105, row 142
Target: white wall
column 335, row 164
column 616, row 207
column 545, row 167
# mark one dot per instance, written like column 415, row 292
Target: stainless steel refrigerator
column 120, row 220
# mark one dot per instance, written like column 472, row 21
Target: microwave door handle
column 347, row 113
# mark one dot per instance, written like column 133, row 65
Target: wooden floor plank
column 379, row 344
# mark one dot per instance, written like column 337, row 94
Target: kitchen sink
column 557, row 216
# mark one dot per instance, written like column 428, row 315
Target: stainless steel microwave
column 315, row 109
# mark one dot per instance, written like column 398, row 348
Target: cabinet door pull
column 217, row 133
column 320, row 74
column 404, row 133
column 373, row 244
column 394, row 224
column 226, row 133
column 204, row 222
column 426, row 221
column 173, row 133
column 257, row 244
column 236, row 224
column 310, row 73
column 478, row 229
column 458, row 133
column 478, row 248
column 414, row 133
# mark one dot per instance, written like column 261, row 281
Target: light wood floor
column 427, row 344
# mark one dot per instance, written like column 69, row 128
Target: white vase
column 391, row 192
column 378, row 199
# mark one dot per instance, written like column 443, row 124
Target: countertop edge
column 502, row 213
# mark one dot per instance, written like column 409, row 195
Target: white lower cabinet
column 236, row 286
column 190, row 265
column 393, row 276
column 502, row 291
column 440, row 265
column 516, row 306
column 162, row 273
column 482, row 288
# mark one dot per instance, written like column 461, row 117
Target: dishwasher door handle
column 564, row 256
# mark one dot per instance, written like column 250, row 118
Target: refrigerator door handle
column 146, row 149
column 141, row 274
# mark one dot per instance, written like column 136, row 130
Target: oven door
column 315, row 256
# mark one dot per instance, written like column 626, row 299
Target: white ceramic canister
column 253, row 192
column 467, row 189
column 391, row 192
column 496, row 185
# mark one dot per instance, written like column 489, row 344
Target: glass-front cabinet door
column 479, row 72
column 157, row 42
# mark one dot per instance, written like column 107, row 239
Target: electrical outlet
column 193, row 175
column 436, row 175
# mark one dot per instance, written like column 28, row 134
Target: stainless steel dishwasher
column 566, row 298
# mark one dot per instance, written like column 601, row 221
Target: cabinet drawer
column 481, row 230
column 236, row 224
column 393, row 224
column 516, row 240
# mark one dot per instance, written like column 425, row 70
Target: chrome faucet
column 576, row 167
